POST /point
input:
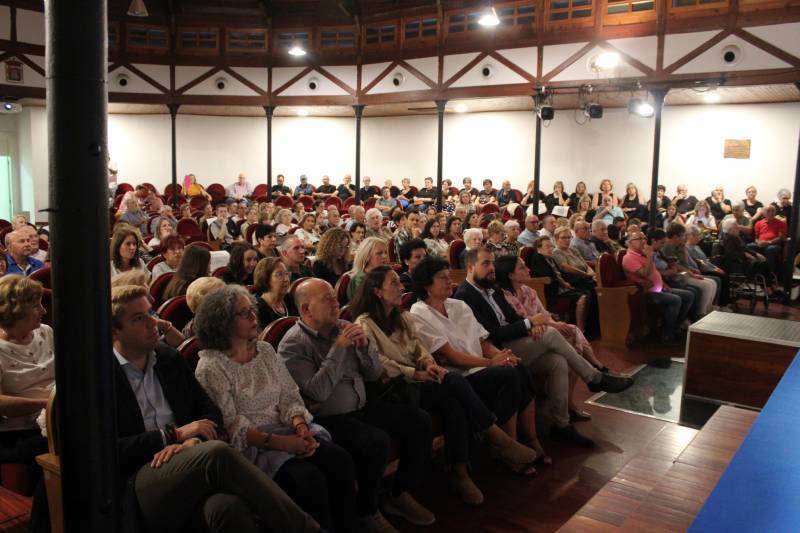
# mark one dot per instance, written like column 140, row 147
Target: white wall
column 496, row 145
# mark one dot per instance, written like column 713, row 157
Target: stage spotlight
column 641, row 108
column 605, row 61
column 10, row 107
column 297, row 50
column 489, row 18
column 593, row 110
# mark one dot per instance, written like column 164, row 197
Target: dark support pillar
column 359, row 109
column 439, row 149
column 78, row 151
column 792, row 248
column 537, row 158
column 173, row 115
column 270, row 109
column 658, row 104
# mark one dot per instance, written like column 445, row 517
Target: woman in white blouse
column 125, row 251
column 434, row 239
column 307, row 232
column 263, row 413
column 453, row 335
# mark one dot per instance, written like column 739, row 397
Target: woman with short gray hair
column 263, row 413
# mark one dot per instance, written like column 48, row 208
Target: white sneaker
column 405, row 506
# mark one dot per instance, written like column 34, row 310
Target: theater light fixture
column 543, row 104
column 605, row 61
column 296, row 50
column 711, row 96
column 593, row 110
column 137, row 9
column 461, row 108
column 489, row 17
column 302, row 112
column 641, row 108
column 10, row 107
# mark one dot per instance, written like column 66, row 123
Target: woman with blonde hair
column 371, row 253
column 194, row 295
column 331, row 260
column 557, row 197
column 605, row 191
column 195, row 189
column 575, row 197
column 125, row 251
column 633, row 205
column 702, row 217
column 283, row 222
column 496, row 240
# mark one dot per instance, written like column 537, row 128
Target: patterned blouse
column 257, row 393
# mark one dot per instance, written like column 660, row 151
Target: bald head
column 316, row 302
column 18, row 245
column 636, row 240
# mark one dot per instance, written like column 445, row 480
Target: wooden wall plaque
column 737, row 149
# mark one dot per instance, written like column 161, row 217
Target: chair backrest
column 453, row 191
column 188, row 227
column 525, row 252
column 168, row 189
column 248, row 234
column 150, row 187
column 341, row 289
column 198, row 202
column 611, row 273
column 275, row 331
column 43, row 276
column 348, row 202
column 122, row 188
column 154, row 261
column 201, row 244
column 489, row 208
column 394, row 191
column 369, row 203
column 217, row 192
column 189, row 350
column 158, row 286
column 177, row 311
column 412, row 190
column 456, row 246
column 284, row 202
column 334, row 201
column 218, row 273
column 4, row 223
column 260, row 190
column 517, row 195
column 458, row 276
column 392, row 251
column 307, row 201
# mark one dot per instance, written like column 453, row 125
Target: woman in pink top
column 512, row 275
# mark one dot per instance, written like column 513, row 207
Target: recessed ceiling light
column 302, row 112
column 489, row 18
column 606, row 61
column 297, row 50
column 461, row 108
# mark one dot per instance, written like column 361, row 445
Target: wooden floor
column 643, row 447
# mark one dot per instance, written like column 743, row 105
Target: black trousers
column 323, row 485
column 23, row 447
column 504, row 390
column 367, row 433
column 724, row 287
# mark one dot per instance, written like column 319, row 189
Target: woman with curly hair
column 331, row 260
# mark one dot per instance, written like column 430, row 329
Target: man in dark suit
column 167, row 430
column 542, row 348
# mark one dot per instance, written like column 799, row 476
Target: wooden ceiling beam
column 767, row 47
column 698, row 51
column 385, row 72
column 244, row 81
column 466, row 68
column 198, row 80
column 292, row 81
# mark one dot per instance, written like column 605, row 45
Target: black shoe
column 571, row 435
column 609, row 383
column 661, row 362
column 578, row 415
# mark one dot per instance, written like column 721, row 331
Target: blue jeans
column 676, row 304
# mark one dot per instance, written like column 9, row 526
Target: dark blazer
column 187, row 399
column 539, row 268
column 485, row 315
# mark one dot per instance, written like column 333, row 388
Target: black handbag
column 399, row 390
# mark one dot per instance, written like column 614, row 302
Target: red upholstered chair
column 284, row 202
column 489, row 208
column 177, row 311
column 150, row 187
column 620, row 302
column 307, row 201
column 341, row 289
column 412, row 190
column 333, row 201
column 154, row 261
column 275, row 331
column 158, row 286
column 369, row 203
column 394, row 190
column 122, row 188
column 260, row 190
column 392, row 251
column 4, row 223
column 517, row 195
column 218, row 273
column 189, row 350
column 409, row 298
column 525, row 252
column 248, row 234
column 348, row 202
column 198, row 202
column 43, row 276
column 47, row 303
column 456, row 247
column 188, row 227
column 202, row 244
column 217, row 193
column 168, row 189
column 453, row 191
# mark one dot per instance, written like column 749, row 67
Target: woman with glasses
column 263, row 413
column 272, row 281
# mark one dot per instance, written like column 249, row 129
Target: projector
column 546, row 112
column 593, row 110
column 9, row 108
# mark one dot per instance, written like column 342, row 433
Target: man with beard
column 540, row 347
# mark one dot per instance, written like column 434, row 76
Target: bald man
column 331, row 360
column 18, row 246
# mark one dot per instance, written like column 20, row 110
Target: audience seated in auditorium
column 377, row 307
column 683, row 201
column 783, row 206
column 346, row 189
column 719, row 205
column 134, row 215
column 496, row 240
column 375, row 227
column 671, row 273
column 33, row 239
column 195, row 293
column 326, row 190
column 294, row 257
column 386, row 203
column 368, row 191
column 434, row 239
column 125, row 251
column 19, row 250
column 27, row 376
column 195, row 189
column 575, row 269
column 402, row 233
column 411, row 254
column 701, row 262
column 357, row 214
column 251, row 219
column 263, row 413
column 332, row 255
column 299, row 211
column 172, row 248
column 240, row 190
column 272, row 284
column 164, row 229
column 675, row 252
column 279, row 189
column 266, row 241
column 604, row 191
column 662, row 200
column 639, row 266
column 752, row 205
column 452, row 229
column 512, row 277
column 283, row 222
column 548, row 226
column 583, row 245
column 241, row 265
column 769, row 235
column 304, row 188
column 557, row 197
column 545, row 352
column 531, row 231
column 168, row 431
column 330, row 360
column 737, row 258
column 505, row 195
column 371, row 253
column 702, row 218
column 487, row 195
column 607, row 211
column 473, row 238
column 633, row 204
column 223, row 230
column 164, row 213
column 307, row 231
column 425, row 196
column 193, row 265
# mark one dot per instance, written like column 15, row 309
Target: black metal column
column 270, row 109
column 359, row 109
column 537, row 157
column 173, row 115
column 77, row 140
column 440, row 104
column 794, row 230
column 658, row 104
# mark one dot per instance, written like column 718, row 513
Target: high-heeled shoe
column 542, row 456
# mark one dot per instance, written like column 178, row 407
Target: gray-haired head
column 784, row 193
column 215, row 316
column 727, row 224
